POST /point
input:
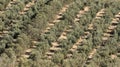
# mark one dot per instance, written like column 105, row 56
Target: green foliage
column 17, row 33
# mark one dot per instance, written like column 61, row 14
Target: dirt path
column 86, row 35
column 105, row 38
column 56, row 19
column 56, row 45
column 5, row 32
column 29, row 50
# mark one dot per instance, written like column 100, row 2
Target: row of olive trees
column 17, row 40
column 103, row 56
column 58, row 58
column 72, row 37
column 84, row 50
column 24, row 27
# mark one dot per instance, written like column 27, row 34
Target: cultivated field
column 59, row 33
